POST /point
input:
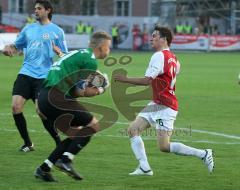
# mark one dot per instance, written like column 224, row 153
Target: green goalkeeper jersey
column 71, row 68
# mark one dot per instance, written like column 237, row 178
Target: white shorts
column 160, row 116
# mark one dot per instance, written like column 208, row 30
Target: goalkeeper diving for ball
column 73, row 75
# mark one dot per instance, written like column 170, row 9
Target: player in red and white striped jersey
column 162, row 110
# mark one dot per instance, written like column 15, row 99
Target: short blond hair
column 98, row 38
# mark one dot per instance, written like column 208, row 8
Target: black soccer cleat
column 27, row 148
column 68, row 169
column 45, row 176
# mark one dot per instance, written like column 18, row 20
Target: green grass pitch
column 209, row 101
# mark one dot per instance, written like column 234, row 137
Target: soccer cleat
column 140, row 171
column 68, row 169
column 27, row 148
column 208, row 160
column 45, row 176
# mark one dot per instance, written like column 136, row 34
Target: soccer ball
column 98, row 79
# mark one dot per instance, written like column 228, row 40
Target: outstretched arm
column 136, row 81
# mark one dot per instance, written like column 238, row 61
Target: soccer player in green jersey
column 57, row 103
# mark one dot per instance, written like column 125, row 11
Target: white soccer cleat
column 140, row 171
column 208, row 160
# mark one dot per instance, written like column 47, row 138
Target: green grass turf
column 209, row 101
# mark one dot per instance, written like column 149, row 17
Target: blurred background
column 198, row 24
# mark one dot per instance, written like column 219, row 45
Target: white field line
column 147, row 138
column 174, row 139
column 215, row 133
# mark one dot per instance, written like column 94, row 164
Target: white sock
column 139, row 151
column 49, row 163
column 69, row 155
column 181, row 149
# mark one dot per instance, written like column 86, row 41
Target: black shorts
column 54, row 105
column 27, row 87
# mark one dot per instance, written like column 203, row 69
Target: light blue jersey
column 36, row 42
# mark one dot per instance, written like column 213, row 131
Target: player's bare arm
column 87, row 92
column 57, row 50
column 95, row 84
column 136, row 81
column 84, row 92
column 9, row 50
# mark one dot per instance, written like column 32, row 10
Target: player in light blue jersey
column 36, row 41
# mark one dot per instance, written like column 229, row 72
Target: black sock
column 59, row 150
column 76, row 146
column 81, row 139
column 49, row 126
column 21, row 124
column 44, row 167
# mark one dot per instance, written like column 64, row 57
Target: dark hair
column 165, row 32
column 47, row 5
